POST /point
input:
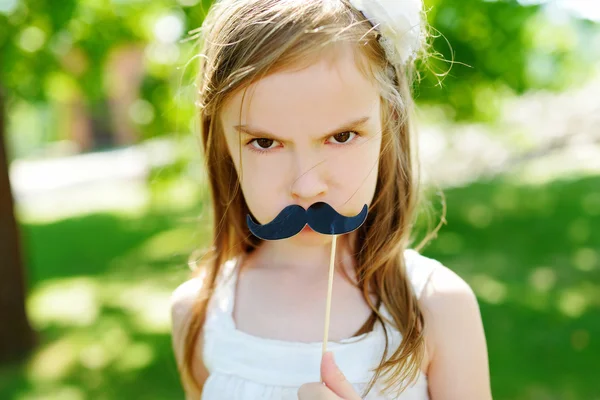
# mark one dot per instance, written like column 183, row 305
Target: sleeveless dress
column 248, row 367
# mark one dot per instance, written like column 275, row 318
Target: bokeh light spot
column 32, row 39
column 71, row 302
column 489, row 289
column 8, row 6
column 572, row 303
column 479, row 215
column 141, row 112
column 542, row 279
column 94, row 357
column 135, row 357
column 63, row 392
column 55, row 361
column 168, row 28
column 585, row 259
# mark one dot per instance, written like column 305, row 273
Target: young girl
column 303, row 101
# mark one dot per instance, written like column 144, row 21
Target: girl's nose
column 310, row 183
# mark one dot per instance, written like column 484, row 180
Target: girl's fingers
column 335, row 379
column 316, row 391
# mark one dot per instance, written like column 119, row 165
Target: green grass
column 99, row 287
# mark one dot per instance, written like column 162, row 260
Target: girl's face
column 305, row 136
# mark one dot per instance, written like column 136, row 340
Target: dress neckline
column 232, row 351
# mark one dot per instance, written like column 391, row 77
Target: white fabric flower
column 399, row 22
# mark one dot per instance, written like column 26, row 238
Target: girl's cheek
column 267, row 166
column 356, row 162
column 356, row 172
column 264, row 174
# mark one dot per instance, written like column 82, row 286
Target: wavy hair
column 242, row 41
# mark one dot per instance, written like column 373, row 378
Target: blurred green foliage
column 500, row 48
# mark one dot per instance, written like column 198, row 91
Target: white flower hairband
column 399, row 23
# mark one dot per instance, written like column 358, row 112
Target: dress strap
column 228, row 283
column 419, row 269
column 220, row 307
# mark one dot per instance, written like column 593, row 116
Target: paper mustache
column 321, row 217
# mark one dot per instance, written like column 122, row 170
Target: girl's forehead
column 320, row 96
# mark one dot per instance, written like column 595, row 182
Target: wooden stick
column 329, row 291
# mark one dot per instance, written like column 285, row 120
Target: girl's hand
column 335, row 386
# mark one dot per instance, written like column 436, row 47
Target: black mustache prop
column 321, row 217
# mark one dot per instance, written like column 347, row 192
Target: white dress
column 248, row 367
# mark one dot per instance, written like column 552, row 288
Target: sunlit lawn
column 100, row 287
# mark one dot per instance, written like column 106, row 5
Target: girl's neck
column 302, row 255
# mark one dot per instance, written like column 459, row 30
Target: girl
column 303, row 101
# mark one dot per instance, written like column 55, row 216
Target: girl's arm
column 459, row 364
column 182, row 301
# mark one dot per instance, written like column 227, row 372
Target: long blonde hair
column 242, row 41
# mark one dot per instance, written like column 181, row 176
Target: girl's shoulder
column 454, row 329
column 183, row 297
column 182, row 301
column 437, row 286
column 434, row 280
column 186, row 295
column 430, row 278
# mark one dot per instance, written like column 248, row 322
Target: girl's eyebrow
column 266, row 135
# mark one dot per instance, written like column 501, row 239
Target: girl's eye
column 263, row 144
column 343, row 137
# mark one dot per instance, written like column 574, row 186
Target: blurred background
column 103, row 197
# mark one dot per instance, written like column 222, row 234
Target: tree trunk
column 16, row 335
